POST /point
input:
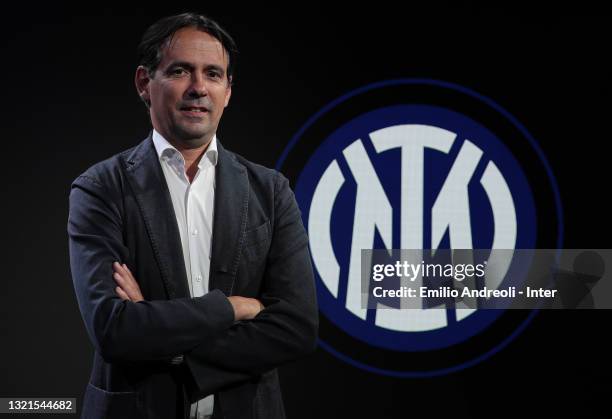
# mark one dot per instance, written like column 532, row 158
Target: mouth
column 194, row 111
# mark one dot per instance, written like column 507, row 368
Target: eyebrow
column 190, row 66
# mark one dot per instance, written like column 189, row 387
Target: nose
column 197, row 88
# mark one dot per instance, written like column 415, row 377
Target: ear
column 141, row 80
column 228, row 91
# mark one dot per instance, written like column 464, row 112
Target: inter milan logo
column 415, row 165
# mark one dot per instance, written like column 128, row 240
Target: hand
column 128, row 288
column 245, row 308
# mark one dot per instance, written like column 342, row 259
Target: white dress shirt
column 193, row 206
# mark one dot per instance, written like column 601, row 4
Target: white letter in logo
column 373, row 212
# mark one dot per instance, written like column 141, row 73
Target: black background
column 68, row 101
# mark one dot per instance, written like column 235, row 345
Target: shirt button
column 198, row 278
column 194, row 232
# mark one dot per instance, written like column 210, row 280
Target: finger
column 121, row 280
column 118, row 278
column 126, row 285
column 126, row 278
column 123, row 276
column 124, row 271
column 129, row 287
column 121, row 293
column 118, row 268
column 128, row 273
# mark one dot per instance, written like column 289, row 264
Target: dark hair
column 154, row 39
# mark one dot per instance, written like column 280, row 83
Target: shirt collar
column 166, row 150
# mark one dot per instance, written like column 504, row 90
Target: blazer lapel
column 229, row 220
column 147, row 179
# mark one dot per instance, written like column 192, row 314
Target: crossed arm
column 128, row 290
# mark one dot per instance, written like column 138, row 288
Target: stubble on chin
column 192, row 137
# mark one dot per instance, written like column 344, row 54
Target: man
column 190, row 263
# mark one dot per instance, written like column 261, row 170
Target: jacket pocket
column 257, row 242
column 98, row 403
column 257, row 234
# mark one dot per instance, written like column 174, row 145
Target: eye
column 214, row 74
column 178, row 71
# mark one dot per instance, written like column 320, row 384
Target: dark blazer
column 120, row 210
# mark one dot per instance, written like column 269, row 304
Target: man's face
column 190, row 87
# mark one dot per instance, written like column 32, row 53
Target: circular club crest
column 416, row 164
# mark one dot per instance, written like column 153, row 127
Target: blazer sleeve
column 287, row 328
column 124, row 330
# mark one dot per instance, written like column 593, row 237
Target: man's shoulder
column 107, row 171
column 111, row 169
column 257, row 173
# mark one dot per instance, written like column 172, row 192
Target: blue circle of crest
column 465, row 128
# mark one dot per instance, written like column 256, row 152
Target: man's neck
column 191, row 154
